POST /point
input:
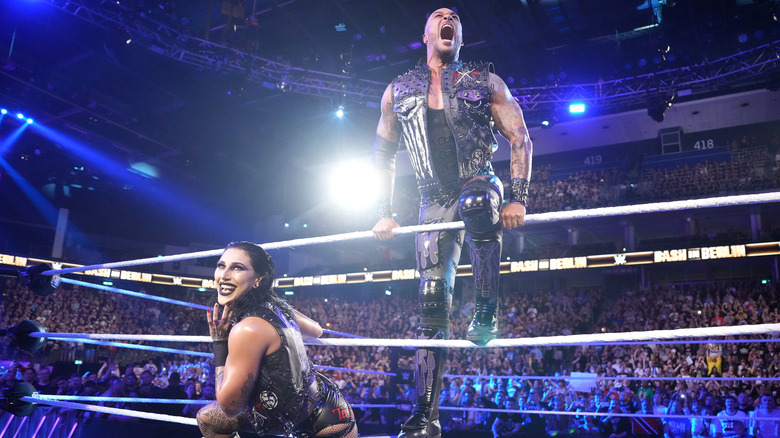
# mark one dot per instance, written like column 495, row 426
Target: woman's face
column 234, row 275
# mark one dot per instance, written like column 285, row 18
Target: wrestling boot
column 479, row 207
column 484, row 324
column 429, row 364
column 485, row 259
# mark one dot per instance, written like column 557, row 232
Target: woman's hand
column 218, row 328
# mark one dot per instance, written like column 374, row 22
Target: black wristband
column 384, row 210
column 220, row 352
column 519, row 191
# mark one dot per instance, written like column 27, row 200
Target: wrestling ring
column 24, row 420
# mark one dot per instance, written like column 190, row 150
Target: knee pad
column 480, row 204
column 435, row 302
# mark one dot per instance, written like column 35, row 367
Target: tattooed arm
column 252, row 338
column 510, row 123
column 388, row 134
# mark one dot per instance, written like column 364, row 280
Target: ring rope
column 167, row 300
column 346, row 335
column 461, row 376
column 560, row 340
column 168, row 401
column 122, row 337
column 193, row 421
column 570, row 413
column 8, row 423
column 114, row 411
column 134, row 294
column 190, row 352
column 352, row 370
column 538, row 218
column 131, row 346
column 689, row 378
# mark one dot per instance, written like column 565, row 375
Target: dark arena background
column 141, row 128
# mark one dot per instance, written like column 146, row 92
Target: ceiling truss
column 755, row 67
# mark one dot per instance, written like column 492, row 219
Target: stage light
column 289, row 292
column 388, row 292
column 144, row 169
column 340, row 112
column 3, row 111
column 577, row 108
column 352, row 185
column 29, row 121
column 20, row 116
column 545, row 123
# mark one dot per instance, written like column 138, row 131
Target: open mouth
column 226, row 289
column 447, row 32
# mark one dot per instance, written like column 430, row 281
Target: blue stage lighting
column 577, row 108
column 29, row 121
column 340, row 112
column 545, row 123
column 3, row 111
column 20, row 116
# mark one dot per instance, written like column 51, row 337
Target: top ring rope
column 561, row 340
column 721, row 201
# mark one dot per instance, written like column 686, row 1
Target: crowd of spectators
column 626, row 378
column 751, row 168
column 540, row 375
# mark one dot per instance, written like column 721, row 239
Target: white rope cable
column 94, row 398
column 122, row 337
column 194, row 422
column 561, row 340
column 477, row 377
column 569, row 413
column 113, row 411
column 570, row 340
column 722, row 201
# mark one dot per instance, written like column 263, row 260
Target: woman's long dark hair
column 263, row 265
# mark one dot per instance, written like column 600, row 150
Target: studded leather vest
column 466, row 92
column 286, row 391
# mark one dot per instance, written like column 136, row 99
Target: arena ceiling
column 230, row 114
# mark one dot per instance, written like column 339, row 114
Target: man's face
column 767, row 403
column 44, row 374
column 209, row 393
column 443, row 32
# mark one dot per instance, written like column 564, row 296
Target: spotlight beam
column 44, row 207
column 7, row 142
column 169, row 149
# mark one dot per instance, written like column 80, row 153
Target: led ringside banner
column 538, row 265
column 557, row 264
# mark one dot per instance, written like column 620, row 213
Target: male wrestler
column 443, row 113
